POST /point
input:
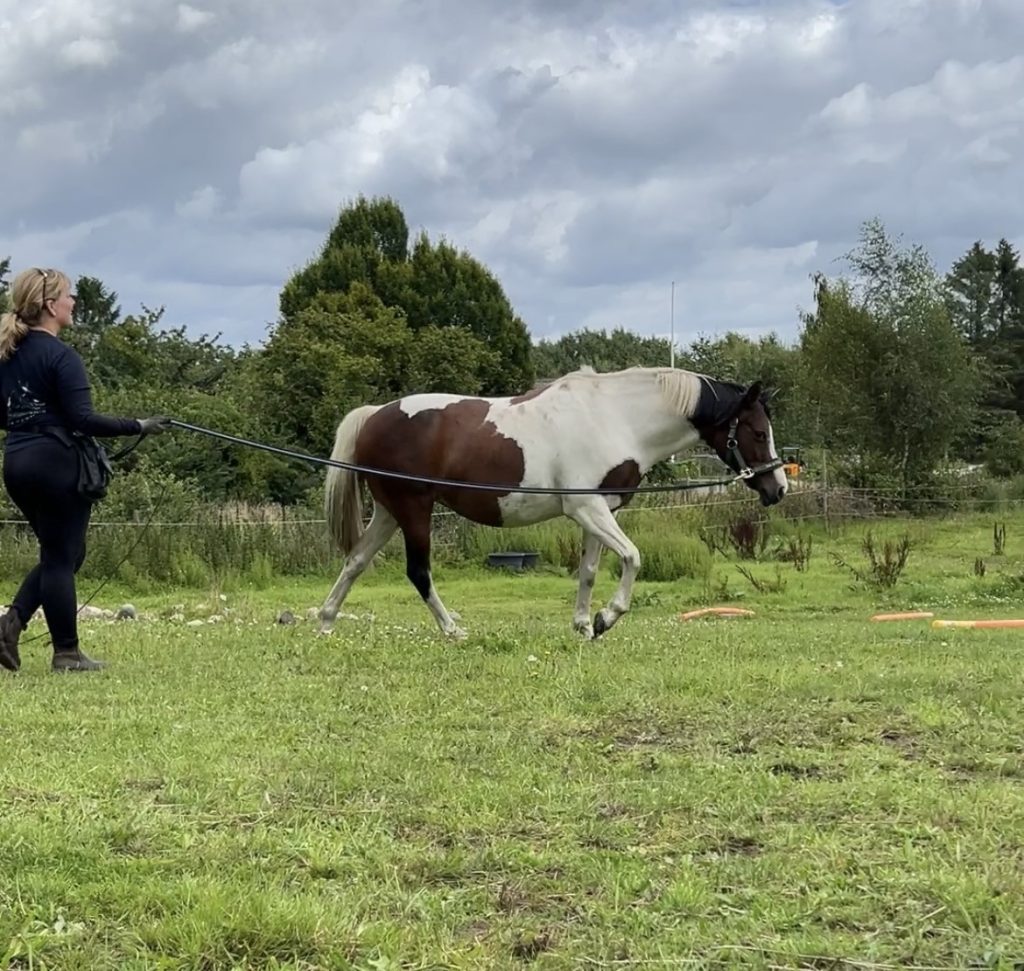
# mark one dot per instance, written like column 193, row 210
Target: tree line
column 897, row 371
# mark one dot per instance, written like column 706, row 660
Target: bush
column 1003, row 454
column 667, row 556
column 885, row 563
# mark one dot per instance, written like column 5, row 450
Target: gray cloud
column 195, row 154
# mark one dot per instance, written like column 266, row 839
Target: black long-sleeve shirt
column 44, row 383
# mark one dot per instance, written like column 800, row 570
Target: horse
column 583, row 431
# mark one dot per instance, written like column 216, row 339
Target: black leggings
column 41, row 479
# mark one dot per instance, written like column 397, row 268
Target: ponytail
column 12, row 331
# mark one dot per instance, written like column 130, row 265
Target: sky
column 590, row 154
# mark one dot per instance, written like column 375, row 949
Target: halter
column 743, row 470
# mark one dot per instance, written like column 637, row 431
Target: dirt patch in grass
column 905, row 743
column 732, row 845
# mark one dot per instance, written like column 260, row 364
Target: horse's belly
column 494, row 509
column 523, row 509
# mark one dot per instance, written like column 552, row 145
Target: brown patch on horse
column 455, row 442
column 625, row 475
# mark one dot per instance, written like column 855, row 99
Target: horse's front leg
column 589, row 559
column 597, row 520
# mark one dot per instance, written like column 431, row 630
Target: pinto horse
column 583, row 431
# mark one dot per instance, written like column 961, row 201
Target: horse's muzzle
column 769, row 497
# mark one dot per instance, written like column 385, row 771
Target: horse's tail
column 342, row 503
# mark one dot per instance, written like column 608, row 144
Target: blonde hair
column 28, row 292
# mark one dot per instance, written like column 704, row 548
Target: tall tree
column 434, row 285
column 892, row 380
column 1006, row 354
column 1008, row 298
column 369, row 238
column 985, row 295
column 447, row 288
column 96, row 310
column 5, row 268
column 969, row 287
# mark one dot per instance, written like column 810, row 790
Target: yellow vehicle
column 792, row 460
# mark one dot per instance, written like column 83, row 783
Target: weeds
column 999, row 539
column 748, row 536
column 745, row 535
column 796, row 550
column 885, row 564
column 778, row 585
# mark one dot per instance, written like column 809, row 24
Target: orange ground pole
column 991, row 624
column 716, row 612
column 912, row 615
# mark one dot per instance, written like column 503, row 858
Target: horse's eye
column 761, row 436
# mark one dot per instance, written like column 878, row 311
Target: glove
column 154, row 426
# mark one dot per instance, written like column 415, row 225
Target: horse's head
column 744, row 441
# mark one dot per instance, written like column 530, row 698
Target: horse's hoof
column 456, row 634
column 599, row 625
column 585, row 629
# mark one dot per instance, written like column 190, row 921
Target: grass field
column 799, row 789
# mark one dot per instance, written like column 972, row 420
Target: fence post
column 824, row 490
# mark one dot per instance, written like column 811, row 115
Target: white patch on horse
column 413, row 404
column 603, row 433
column 779, row 475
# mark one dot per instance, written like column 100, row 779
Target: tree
column 5, row 268
column 445, row 359
column 447, row 288
column 892, row 380
column 1008, row 297
column 342, row 350
column 600, row 350
column 985, row 295
column 969, row 287
column 841, row 342
column 96, row 310
column 433, row 286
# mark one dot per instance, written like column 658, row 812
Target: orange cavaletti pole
column 913, row 615
column 716, row 612
column 992, row 624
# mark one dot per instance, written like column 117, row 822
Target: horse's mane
column 681, row 389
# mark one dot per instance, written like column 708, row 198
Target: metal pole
column 672, row 340
column 672, row 328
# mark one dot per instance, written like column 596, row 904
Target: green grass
column 800, row 789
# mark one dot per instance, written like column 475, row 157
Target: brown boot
column 10, row 632
column 75, row 661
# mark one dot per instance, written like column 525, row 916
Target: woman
column 45, row 396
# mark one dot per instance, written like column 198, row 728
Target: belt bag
column 94, row 468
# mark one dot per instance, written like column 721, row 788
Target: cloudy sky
column 590, row 152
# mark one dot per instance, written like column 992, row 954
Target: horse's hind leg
column 597, row 520
column 589, row 559
column 382, row 527
column 417, row 568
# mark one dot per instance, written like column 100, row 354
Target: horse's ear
column 750, row 396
